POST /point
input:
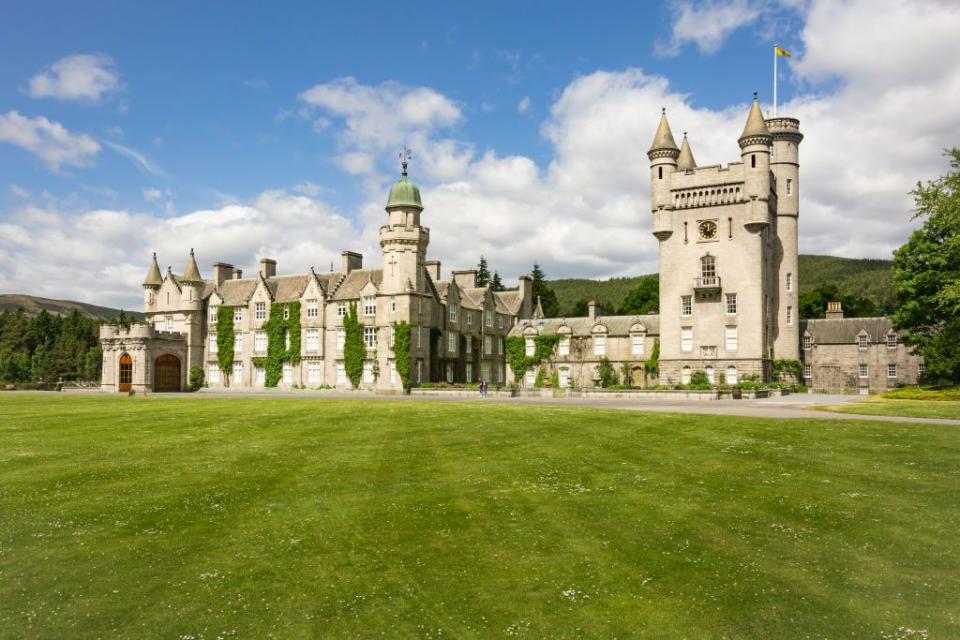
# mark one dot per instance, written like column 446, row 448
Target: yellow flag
column 781, row 52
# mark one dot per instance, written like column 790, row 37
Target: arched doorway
column 125, row 377
column 637, row 377
column 166, row 373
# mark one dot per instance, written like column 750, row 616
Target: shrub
column 196, row 378
column 606, row 373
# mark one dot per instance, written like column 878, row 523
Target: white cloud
column 139, row 160
column 84, row 77
column 706, row 24
column 20, row 192
column 48, row 140
column 524, row 105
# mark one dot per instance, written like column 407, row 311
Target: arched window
column 708, row 266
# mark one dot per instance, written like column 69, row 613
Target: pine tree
column 546, row 295
column 496, row 283
column 483, row 273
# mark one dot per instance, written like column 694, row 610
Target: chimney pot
column 350, row 260
column 268, row 267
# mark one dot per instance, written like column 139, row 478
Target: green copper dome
column 404, row 193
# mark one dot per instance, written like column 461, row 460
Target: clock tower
column 728, row 246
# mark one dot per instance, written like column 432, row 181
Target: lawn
column 207, row 518
column 881, row 406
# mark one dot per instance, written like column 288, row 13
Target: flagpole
column 775, row 81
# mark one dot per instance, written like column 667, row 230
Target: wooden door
column 166, row 374
column 125, row 377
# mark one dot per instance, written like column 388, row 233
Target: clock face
column 708, row 230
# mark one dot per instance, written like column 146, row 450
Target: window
column 452, row 342
column 453, row 313
column 419, row 370
column 390, row 336
column 393, row 306
column 286, row 312
column 393, row 372
column 686, row 339
column 237, row 373
column 488, row 317
column 730, row 336
column 685, row 375
column 260, row 310
column 808, row 371
column 469, row 372
column 731, row 375
column 368, row 372
column 313, row 309
column 753, row 161
column 238, row 314
column 341, row 309
column 213, row 374
column 862, row 342
column 789, row 315
column 599, row 345
column 369, row 306
column 238, row 343
column 212, row 314
column 449, row 372
column 287, row 373
column 637, row 344
column 468, row 315
column 807, row 343
column 341, row 373
column 370, row 338
column 789, row 282
column 499, row 322
column 487, row 345
column 891, row 341
column 863, row 371
column 686, row 306
column 891, row 371
column 731, row 304
column 711, row 375
column 286, row 340
column 212, row 343
column 168, row 323
column 708, row 267
column 485, row 370
column 259, row 341
column 564, row 378
column 564, row 347
column 341, row 338
column 313, row 340
column 468, row 346
column 530, row 377
column 659, row 173
column 314, row 372
column 529, row 347
column 789, row 186
column 259, row 376
column 922, row 369
column 419, row 337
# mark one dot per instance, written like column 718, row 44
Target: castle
column 728, row 250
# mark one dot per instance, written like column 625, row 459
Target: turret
column 663, row 155
column 402, row 240
column 191, row 285
column 685, row 161
column 151, row 284
column 755, row 143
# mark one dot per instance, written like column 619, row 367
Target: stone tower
column 403, row 240
column 725, row 307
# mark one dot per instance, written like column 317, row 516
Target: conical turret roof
column 756, row 125
column 685, row 161
column 191, row 273
column 153, row 279
column 664, row 137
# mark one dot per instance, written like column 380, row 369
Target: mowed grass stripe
column 169, row 517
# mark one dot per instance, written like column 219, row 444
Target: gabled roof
column 615, row 325
column 473, row 298
column 846, row 330
column 350, row 287
column 508, row 302
column 287, row 288
column 237, row 292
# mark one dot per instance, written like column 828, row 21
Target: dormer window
column 862, row 342
column 891, row 341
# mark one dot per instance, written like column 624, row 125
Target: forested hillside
column 32, row 305
column 865, row 286
column 46, row 347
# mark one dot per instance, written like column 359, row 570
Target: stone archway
column 166, row 373
column 125, row 373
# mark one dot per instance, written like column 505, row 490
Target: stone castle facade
column 728, row 253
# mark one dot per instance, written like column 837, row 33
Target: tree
column 546, row 295
column 813, row 303
column 496, row 283
column 606, row 373
column 483, row 273
column 926, row 275
column 644, row 298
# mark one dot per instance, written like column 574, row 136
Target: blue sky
column 245, row 129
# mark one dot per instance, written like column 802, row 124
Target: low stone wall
column 620, row 394
column 462, row 393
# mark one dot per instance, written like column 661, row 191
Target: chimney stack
column 526, row 296
column 433, row 268
column 834, row 311
column 593, row 310
column 268, row 267
column 237, row 273
column 466, row 279
column 222, row 271
column 350, row 260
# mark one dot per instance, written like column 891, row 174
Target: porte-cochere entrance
column 166, row 373
column 125, row 379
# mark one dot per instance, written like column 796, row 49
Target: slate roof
column 349, row 288
column 846, row 330
column 287, row 288
column 616, row 325
column 236, row 292
column 473, row 298
column 508, row 301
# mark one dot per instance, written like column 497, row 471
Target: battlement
column 136, row 331
column 783, row 124
column 714, row 175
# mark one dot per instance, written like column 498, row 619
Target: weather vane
column 405, row 156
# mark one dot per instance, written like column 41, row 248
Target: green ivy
column 225, row 341
column 652, row 365
column 541, row 378
column 783, row 365
column 354, row 350
column 401, row 351
column 277, row 352
column 519, row 362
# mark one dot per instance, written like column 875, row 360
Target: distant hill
column 865, row 277
column 32, row 305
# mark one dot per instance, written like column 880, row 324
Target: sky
column 248, row 130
